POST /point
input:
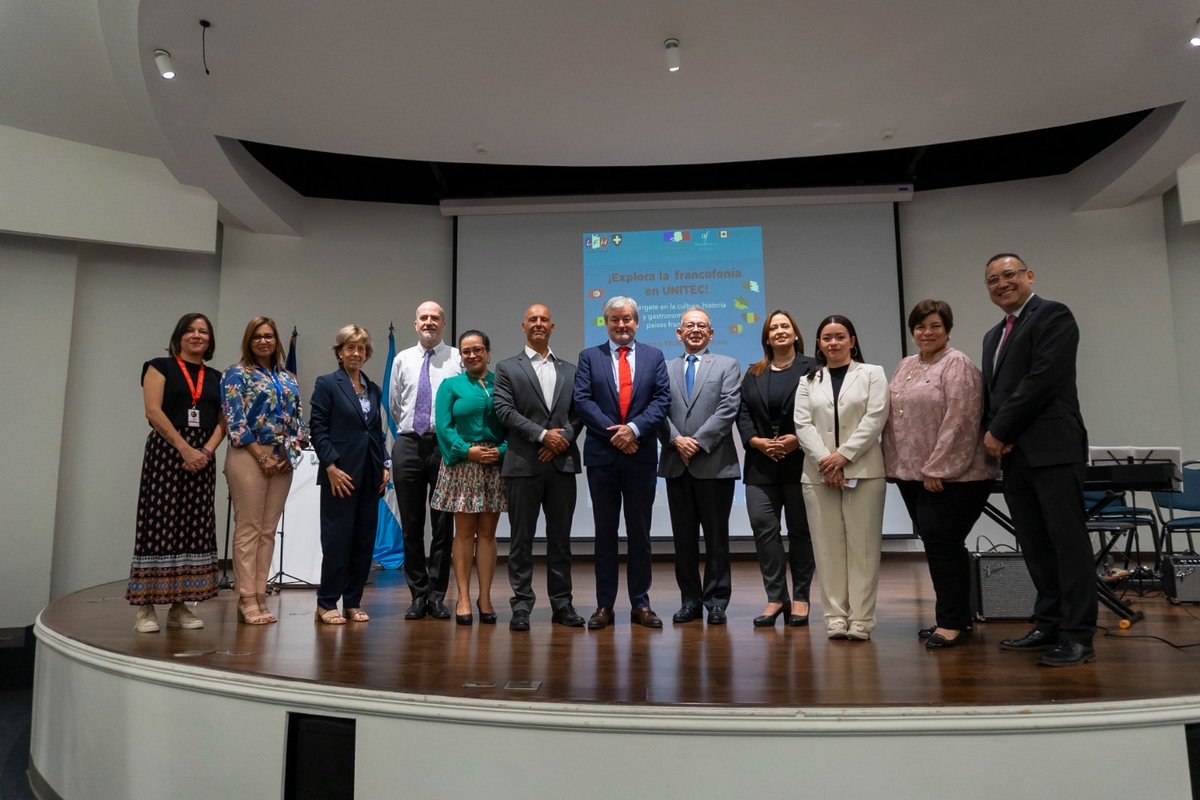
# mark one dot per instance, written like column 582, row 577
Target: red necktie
column 625, row 382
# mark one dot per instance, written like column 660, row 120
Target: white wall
column 37, row 290
column 69, row 190
column 366, row 263
column 127, row 301
column 1183, row 259
column 1110, row 267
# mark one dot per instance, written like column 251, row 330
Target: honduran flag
column 389, row 539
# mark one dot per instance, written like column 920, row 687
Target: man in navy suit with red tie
column 1032, row 422
column 622, row 394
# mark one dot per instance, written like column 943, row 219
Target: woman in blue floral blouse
column 266, row 432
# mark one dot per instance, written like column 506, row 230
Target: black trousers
column 1046, row 505
column 553, row 493
column 943, row 520
column 415, row 464
column 769, row 506
column 347, row 544
column 701, row 504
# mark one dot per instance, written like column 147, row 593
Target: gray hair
column 617, row 302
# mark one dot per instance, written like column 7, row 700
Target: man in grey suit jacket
column 700, row 463
column 534, row 398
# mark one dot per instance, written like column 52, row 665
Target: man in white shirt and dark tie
column 416, row 374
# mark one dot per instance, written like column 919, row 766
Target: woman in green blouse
column 472, row 443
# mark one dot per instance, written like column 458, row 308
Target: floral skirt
column 175, row 548
column 470, row 488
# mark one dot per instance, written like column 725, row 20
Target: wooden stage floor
column 735, row 665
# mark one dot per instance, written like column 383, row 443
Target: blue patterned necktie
column 689, row 377
column 424, row 398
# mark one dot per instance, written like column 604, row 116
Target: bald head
column 537, row 325
column 429, row 323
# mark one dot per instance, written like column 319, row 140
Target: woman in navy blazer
column 347, row 432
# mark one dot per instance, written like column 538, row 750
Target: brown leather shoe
column 645, row 617
column 601, row 619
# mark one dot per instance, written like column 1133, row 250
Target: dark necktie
column 424, row 398
column 624, row 382
column 1009, row 321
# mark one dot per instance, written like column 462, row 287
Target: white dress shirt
column 406, row 372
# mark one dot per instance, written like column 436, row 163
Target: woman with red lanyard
column 175, row 548
column 266, row 433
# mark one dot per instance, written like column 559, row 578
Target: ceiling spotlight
column 1195, row 40
column 672, row 46
column 163, row 59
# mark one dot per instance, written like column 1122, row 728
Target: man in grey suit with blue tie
column 534, row 399
column 699, row 461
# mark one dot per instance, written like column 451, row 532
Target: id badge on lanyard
column 194, row 388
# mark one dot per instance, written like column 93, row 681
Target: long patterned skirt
column 175, row 550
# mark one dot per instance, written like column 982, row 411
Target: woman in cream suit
column 841, row 408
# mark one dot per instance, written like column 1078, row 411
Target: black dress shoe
column 925, row 633
column 768, row 620
column 417, row 610
column 463, row 619
column 687, row 613
column 602, row 618
column 485, row 617
column 716, row 616
column 567, row 616
column 935, row 641
column 520, row 621
column 1034, row 640
column 645, row 616
column 1068, row 654
column 437, row 609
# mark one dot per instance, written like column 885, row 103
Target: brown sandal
column 330, row 616
column 250, row 613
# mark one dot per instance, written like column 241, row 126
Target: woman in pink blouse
column 933, row 451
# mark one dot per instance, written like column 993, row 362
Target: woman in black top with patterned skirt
column 175, row 550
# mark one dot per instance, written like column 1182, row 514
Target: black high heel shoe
column 768, row 620
column 463, row 619
column 796, row 620
column 485, row 617
column 938, row 642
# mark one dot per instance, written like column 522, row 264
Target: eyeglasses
column 1007, row 275
column 694, row 326
column 263, row 337
column 473, row 351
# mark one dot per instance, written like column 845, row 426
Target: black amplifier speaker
column 1181, row 578
column 1001, row 587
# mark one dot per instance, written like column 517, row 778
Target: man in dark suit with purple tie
column 1033, row 423
column 622, row 394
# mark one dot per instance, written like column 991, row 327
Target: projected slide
column 668, row 272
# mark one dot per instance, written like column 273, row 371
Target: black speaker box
column 1001, row 587
column 1181, row 578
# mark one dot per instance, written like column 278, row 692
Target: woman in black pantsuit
column 772, row 473
column 347, row 432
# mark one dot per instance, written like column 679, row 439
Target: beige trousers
column 257, row 505
column 847, row 533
